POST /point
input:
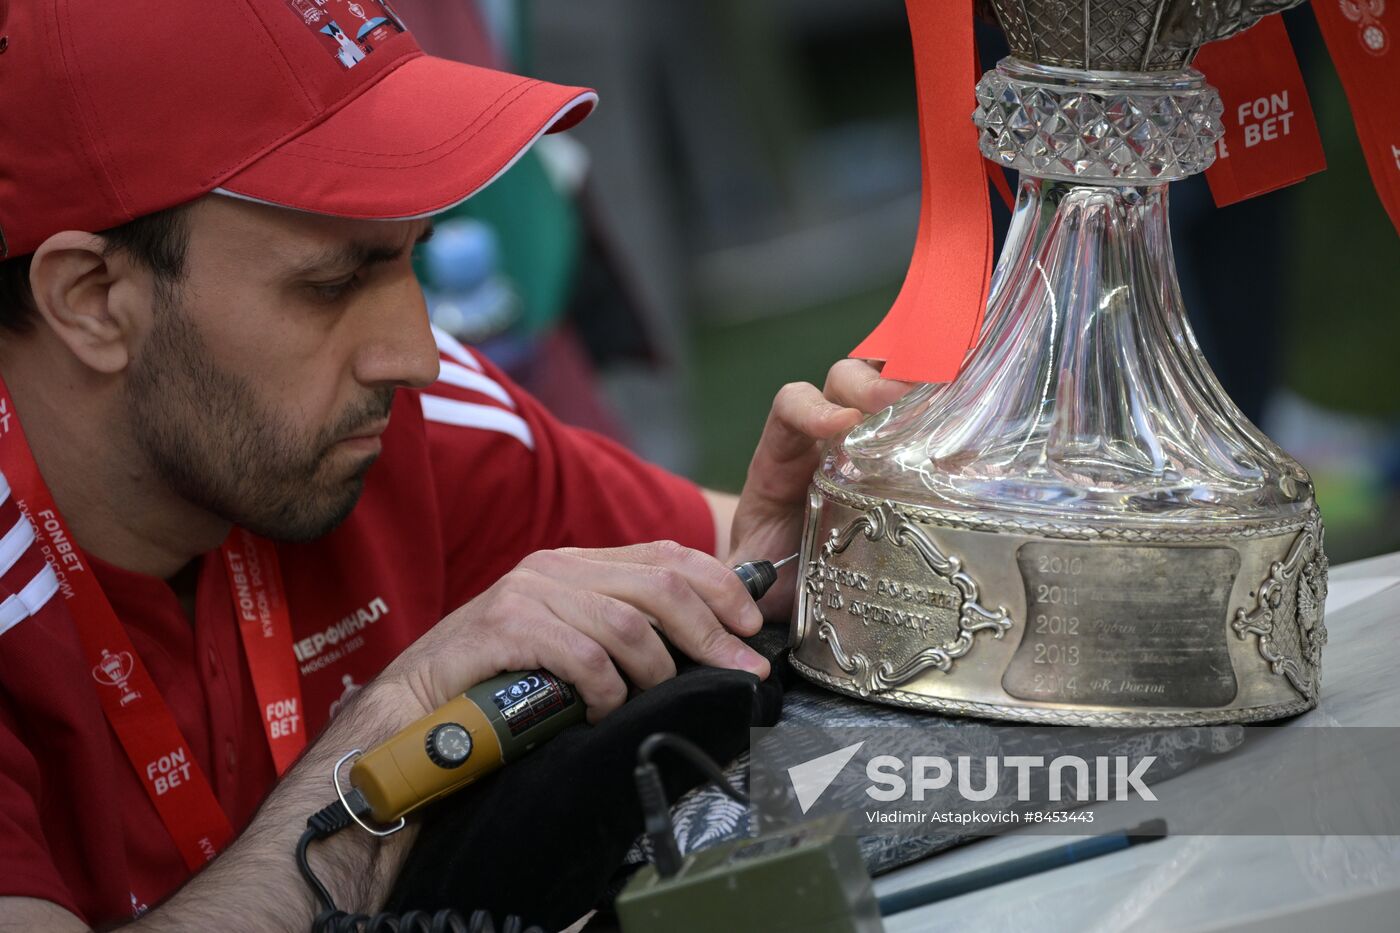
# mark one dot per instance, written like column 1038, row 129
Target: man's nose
column 401, row 351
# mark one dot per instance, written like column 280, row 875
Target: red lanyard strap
column 255, row 583
column 134, row 707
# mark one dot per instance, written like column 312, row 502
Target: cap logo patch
column 348, row 29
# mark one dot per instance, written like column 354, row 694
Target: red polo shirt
column 474, row 476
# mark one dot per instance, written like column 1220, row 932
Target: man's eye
column 331, row 291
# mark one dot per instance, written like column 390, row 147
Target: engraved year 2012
column 1056, row 625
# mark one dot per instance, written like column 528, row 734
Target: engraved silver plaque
column 1011, row 624
column 1121, row 625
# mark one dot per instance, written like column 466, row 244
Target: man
column 242, row 357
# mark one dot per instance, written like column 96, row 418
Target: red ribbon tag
column 938, row 314
column 1362, row 37
column 1271, row 139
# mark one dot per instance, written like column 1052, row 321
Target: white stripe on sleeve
column 471, row 415
column 14, row 544
column 463, row 378
column 450, row 345
column 28, row 601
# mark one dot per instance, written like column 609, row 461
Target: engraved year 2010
column 1053, row 563
column 1057, row 654
column 1056, row 595
column 1056, row 625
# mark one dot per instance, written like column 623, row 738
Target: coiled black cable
column 332, row 819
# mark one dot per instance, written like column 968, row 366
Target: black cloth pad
column 541, row 838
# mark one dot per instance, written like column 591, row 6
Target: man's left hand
column 768, row 518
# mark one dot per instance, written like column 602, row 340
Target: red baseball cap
column 110, row 111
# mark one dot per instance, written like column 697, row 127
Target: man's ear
column 78, row 290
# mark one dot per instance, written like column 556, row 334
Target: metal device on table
column 807, row 879
column 811, row 879
column 1082, row 527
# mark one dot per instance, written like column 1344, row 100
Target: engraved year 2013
column 1056, row 654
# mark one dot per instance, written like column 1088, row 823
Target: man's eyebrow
column 356, row 254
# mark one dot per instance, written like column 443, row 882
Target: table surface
column 1198, row 883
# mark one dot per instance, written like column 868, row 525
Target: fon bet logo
column 113, row 671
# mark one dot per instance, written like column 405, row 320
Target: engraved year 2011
column 1056, row 595
column 1056, row 625
column 1056, row 654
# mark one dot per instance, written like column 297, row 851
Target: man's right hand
column 590, row 617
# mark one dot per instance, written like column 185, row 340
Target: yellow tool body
column 491, row 724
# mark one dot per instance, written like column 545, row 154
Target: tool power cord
column 332, row 819
column 656, row 812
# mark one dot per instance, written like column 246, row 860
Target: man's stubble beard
column 215, row 445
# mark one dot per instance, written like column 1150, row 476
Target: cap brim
column 426, row 137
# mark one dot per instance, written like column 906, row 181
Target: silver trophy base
column 1084, row 624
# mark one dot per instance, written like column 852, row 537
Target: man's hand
column 768, row 517
column 590, row 617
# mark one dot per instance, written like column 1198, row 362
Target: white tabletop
column 1195, row 883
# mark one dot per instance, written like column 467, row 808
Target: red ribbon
column 1362, row 35
column 938, row 314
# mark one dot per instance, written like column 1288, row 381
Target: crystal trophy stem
column 1082, row 527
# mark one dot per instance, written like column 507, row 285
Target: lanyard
column 255, row 583
column 135, row 709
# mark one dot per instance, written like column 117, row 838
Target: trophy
column 1081, row 528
